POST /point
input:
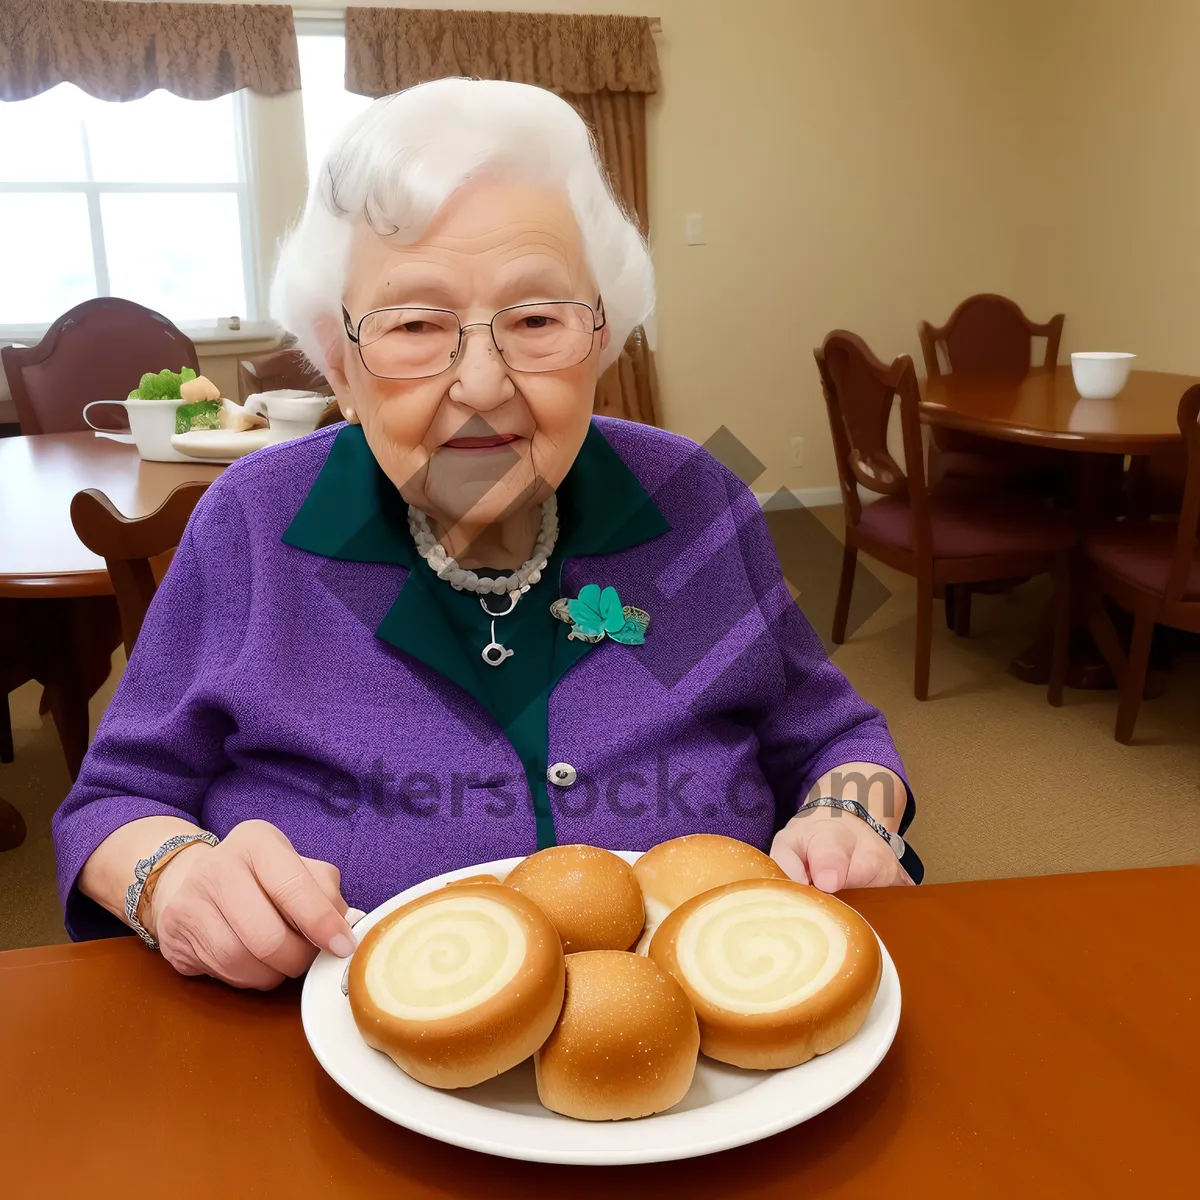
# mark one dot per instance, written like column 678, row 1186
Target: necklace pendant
column 495, row 654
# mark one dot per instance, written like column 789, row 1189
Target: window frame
column 244, row 189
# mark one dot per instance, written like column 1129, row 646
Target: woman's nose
column 483, row 381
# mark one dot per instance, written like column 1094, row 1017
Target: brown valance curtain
column 121, row 51
column 604, row 66
column 388, row 49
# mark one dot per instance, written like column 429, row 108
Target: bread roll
column 591, row 895
column 625, row 1044
column 675, row 871
column 777, row 971
column 458, row 985
column 481, row 878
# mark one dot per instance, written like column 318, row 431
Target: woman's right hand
column 249, row 911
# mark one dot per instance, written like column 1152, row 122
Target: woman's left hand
column 833, row 849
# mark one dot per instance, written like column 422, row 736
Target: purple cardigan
column 259, row 689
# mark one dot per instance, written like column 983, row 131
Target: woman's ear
column 333, row 342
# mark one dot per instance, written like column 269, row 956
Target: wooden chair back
column 128, row 545
column 99, row 350
column 859, row 392
column 1189, row 515
column 987, row 335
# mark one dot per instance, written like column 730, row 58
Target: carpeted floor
column 1005, row 784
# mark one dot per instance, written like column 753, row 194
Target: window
column 327, row 104
column 147, row 199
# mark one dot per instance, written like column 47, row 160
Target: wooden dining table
column 56, row 602
column 1043, row 408
column 1049, row 1045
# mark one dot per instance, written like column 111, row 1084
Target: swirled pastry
column 777, row 971
column 675, row 871
column 625, row 1044
column 458, row 985
column 591, row 895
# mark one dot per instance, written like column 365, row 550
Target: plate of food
column 589, row 1007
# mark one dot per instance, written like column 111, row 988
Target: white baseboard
column 817, row 497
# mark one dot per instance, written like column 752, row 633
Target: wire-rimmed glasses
column 417, row 343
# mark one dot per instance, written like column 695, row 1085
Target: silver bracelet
column 852, row 806
column 141, row 872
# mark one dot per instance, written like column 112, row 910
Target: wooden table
column 1044, row 409
column 39, row 552
column 1049, row 1045
column 56, row 602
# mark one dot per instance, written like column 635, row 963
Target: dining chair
column 986, row 335
column 940, row 538
column 99, row 350
column 134, row 549
column 286, row 367
column 1151, row 569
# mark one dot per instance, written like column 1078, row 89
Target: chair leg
column 1133, row 683
column 69, row 708
column 924, row 638
column 1104, row 634
column 947, row 590
column 845, row 589
column 6, row 738
column 962, row 610
column 1062, row 631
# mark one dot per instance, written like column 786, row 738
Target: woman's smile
column 476, row 445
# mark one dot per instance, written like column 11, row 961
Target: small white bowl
column 1100, row 374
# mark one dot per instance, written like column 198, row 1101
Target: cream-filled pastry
column 458, row 985
column 777, row 971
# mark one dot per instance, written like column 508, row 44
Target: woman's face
column 479, row 442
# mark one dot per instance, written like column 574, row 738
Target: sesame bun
column 590, row 895
column 777, row 971
column 625, row 1044
column 458, row 985
column 675, row 871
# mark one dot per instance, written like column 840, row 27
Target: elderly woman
column 473, row 620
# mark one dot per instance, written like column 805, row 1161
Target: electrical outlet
column 797, row 452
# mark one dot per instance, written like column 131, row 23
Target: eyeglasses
column 417, row 343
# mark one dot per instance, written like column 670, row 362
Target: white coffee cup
column 151, row 426
column 1100, row 374
column 291, row 413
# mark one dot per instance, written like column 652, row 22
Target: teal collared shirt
column 354, row 512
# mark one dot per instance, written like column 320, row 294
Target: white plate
column 725, row 1107
column 219, row 446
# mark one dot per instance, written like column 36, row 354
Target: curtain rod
column 338, row 14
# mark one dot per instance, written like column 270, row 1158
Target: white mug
column 151, row 426
column 291, row 413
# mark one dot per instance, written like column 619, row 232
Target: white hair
column 401, row 159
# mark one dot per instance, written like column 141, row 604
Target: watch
column 904, row 852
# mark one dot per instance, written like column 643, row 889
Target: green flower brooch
column 597, row 614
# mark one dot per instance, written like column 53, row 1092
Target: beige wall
column 1112, row 223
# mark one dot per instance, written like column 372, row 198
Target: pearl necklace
column 514, row 585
